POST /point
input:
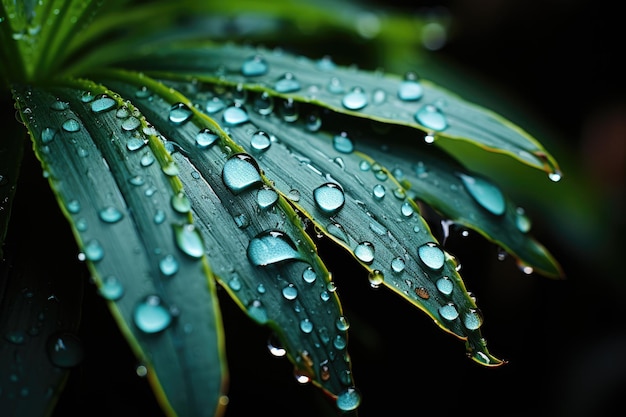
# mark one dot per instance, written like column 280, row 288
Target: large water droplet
column 364, row 251
column 205, row 138
column 398, row 264
column 102, row 104
column 65, row 350
column 485, row 193
column 254, row 66
column 306, row 326
column 348, row 400
column 266, row 197
column 342, row 143
column 329, row 198
column 290, row 292
column 189, row 240
column 111, row 288
column 47, row 135
column 235, row 115
column 93, row 250
column 110, row 214
column 432, row 255
column 378, row 192
column 431, row 117
column 260, row 141
column 168, row 265
column 356, row 99
column 448, row 311
column 445, row 285
column 309, row 275
column 71, row 125
column 131, row 123
column 151, row 315
column 410, row 89
column 472, row 319
column 180, row 113
column 181, row 203
column 240, row 173
column 270, row 247
column 287, row 83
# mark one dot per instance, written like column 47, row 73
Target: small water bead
column 431, row 117
column 48, row 134
column 239, row 94
column 329, row 198
column 378, row 192
column 71, row 125
column 335, row 86
column 64, row 349
column 235, row 115
column 110, row 214
column 205, row 138
column 258, row 313
column 111, row 288
column 240, row 173
column 134, row 144
column 410, row 89
column 170, row 169
column 339, row 342
column 445, row 285
column 398, row 264
column 17, row 337
column 266, row 198
column 168, row 265
column 151, row 315
column 338, row 231
column 263, row 103
column 143, row 92
column 131, row 123
column 102, row 104
column 356, row 99
column 472, row 319
column 407, row 209
column 214, row 104
column 306, row 326
column 555, row 176
column 189, row 240
column 448, row 311
column 487, row 194
column 348, row 400
column 326, row 63
column 254, row 66
column 146, row 160
column 287, row 83
column 270, row 247
column 342, row 143
column 73, row 206
column 522, row 221
column 309, row 275
column 290, row 292
column 364, row 251
column 59, row 105
column 81, row 225
column 431, row 255
column 241, row 220
column 313, row 122
column 180, row 202
column 342, row 324
column 86, row 97
column 234, row 283
column 93, row 250
column 260, row 141
column 180, row 113
column 289, row 110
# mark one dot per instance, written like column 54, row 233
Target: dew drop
column 410, row 89
column 71, row 125
column 338, row 231
column 170, row 169
column 448, row 311
column 159, row 217
column 339, row 342
column 356, row 99
column 522, row 221
column 472, row 319
column 180, row 113
column 241, row 220
column 240, row 173
column 189, row 240
column 47, row 135
column 329, row 198
column 266, row 198
column 289, row 110
column 431, row 117
column 313, row 122
column 348, row 400
column 151, row 315
column 17, row 337
column 102, row 104
column 263, row 104
column 378, row 192
column 431, row 255
column 445, row 285
column 234, row 283
column 131, row 123
column 398, row 264
column 111, row 288
column 260, row 141
column 214, row 104
column 180, row 202
column 270, row 247
column 134, row 144
column 168, row 265
column 86, row 97
column 73, row 206
column 254, row 66
column 364, row 251
column 258, row 312
column 485, row 193
column 205, row 138
column 335, row 86
column 143, row 92
column 309, row 276
column 110, row 214
column 290, row 292
column 287, row 83
column 65, row 350
column 59, row 105
column 235, row 115
column 306, row 326
column 342, row 143
column 407, row 209
column 93, row 250
column 146, row 160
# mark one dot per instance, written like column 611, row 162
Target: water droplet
column 71, row 125
column 431, row 117
column 407, row 209
column 235, row 115
column 287, row 83
column 234, row 283
column 313, row 122
column 445, row 285
column 342, row 143
column 240, row 173
column 338, row 231
column 364, row 251
column 356, row 99
column 270, row 247
column 102, row 104
column 448, row 311
column 290, row 292
column 47, row 135
column 151, row 315
column 266, row 198
column 254, row 66
column 348, row 400
column 134, row 144
column 143, row 92
column 260, row 141
column 241, row 220
column 180, row 202
column 555, row 176
column 214, row 104
column 263, row 103
column 205, row 138
column 73, row 206
column 122, row 113
column 258, row 312
column 111, row 288
column 170, row 169
column 410, row 89
column 65, row 350
column 522, row 221
column 131, row 123
column 59, row 105
column 168, row 265
column 110, row 214
column 180, row 113
column 159, row 217
column 86, row 97
column 339, row 342
column 189, row 240
column 485, row 193
column 378, row 192
column 17, row 337
column 472, row 319
column 147, row 159
column 93, row 250
column 306, row 326
column 289, row 110
column 398, row 264
column 335, row 86
column 432, row 255
column 329, row 198
column 309, row 275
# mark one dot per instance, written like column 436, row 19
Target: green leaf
column 409, row 101
column 114, row 186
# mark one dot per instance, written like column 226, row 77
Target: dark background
column 559, row 61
